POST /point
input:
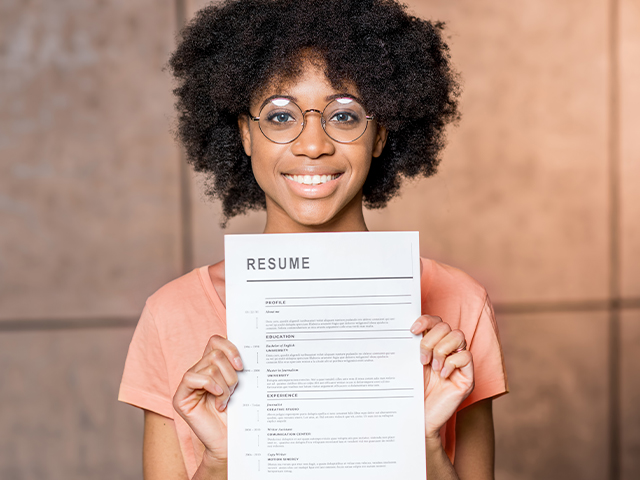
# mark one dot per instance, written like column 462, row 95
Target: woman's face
column 294, row 205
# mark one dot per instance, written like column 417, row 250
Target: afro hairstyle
column 233, row 50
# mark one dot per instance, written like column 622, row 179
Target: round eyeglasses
column 282, row 121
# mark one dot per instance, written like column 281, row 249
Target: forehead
column 308, row 82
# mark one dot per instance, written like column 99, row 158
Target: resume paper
column 332, row 385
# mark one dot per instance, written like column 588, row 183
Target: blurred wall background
column 537, row 197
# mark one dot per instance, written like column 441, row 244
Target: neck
column 349, row 219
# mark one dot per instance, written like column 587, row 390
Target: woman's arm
column 448, row 380
column 161, row 456
column 474, row 447
column 475, row 442
column 201, row 400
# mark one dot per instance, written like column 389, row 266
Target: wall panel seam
column 614, row 239
column 126, row 321
column 32, row 325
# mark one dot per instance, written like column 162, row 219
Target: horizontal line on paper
column 337, row 390
column 324, row 279
column 318, row 339
column 339, row 304
column 336, row 331
column 339, row 398
column 337, row 296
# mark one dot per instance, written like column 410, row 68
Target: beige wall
column 537, row 197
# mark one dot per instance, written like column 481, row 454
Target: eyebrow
column 295, row 99
column 268, row 99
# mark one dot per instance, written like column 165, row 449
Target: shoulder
column 441, row 279
column 188, row 304
column 451, row 293
column 183, row 290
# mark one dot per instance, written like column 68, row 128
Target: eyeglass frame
column 323, row 121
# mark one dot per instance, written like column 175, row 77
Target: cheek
column 258, row 173
column 361, row 163
column 364, row 170
column 264, row 163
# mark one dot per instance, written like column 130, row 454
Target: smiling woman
column 312, row 110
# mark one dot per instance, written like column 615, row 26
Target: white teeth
column 312, row 179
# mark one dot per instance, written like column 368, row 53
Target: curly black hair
column 232, row 51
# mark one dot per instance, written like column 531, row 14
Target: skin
column 203, row 394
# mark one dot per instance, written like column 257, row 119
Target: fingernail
column 222, row 407
column 423, row 358
column 218, row 390
column 237, row 361
column 435, row 364
column 444, row 372
column 415, row 328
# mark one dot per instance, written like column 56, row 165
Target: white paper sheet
column 333, row 385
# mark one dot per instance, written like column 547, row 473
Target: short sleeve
column 145, row 381
column 489, row 370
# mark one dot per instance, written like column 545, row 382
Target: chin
column 313, row 217
column 312, row 220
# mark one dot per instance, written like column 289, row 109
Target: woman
column 259, row 81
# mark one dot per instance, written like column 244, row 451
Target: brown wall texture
column 537, row 197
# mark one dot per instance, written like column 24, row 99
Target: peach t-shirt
column 179, row 319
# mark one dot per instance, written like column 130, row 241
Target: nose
column 313, row 142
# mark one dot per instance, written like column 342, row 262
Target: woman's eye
column 343, row 118
column 281, row 117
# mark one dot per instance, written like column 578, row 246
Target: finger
column 431, row 339
column 424, row 323
column 217, row 342
column 191, row 389
column 221, row 361
column 462, row 360
column 214, row 372
column 453, row 341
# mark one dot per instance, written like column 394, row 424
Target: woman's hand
column 202, row 396
column 448, row 371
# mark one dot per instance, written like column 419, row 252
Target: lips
column 312, row 179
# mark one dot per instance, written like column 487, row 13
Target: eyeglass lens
column 343, row 119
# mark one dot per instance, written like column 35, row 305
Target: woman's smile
column 312, row 179
column 312, row 186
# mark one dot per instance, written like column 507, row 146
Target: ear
column 380, row 141
column 245, row 133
